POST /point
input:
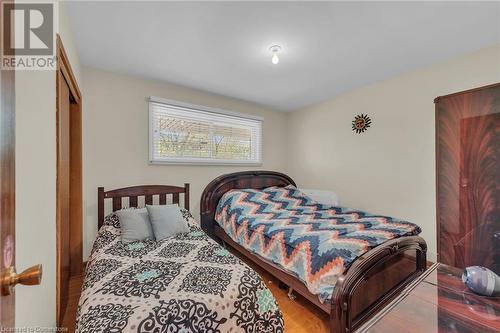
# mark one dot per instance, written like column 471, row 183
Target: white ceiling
column 328, row 47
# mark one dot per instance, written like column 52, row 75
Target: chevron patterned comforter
column 315, row 242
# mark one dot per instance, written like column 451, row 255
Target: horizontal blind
column 189, row 135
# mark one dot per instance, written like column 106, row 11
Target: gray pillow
column 166, row 220
column 135, row 225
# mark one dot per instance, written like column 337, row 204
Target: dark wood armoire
column 468, row 177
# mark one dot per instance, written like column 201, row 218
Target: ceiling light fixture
column 275, row 49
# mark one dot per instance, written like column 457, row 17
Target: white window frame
column 201, row 161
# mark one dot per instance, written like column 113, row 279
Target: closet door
column 468, row 178
column 63, row 195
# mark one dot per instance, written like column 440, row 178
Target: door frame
column 8, row 189
column 65, row 72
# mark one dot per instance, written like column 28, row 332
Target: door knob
column 30, row 276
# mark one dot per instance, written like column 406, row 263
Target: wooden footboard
column 372, row 281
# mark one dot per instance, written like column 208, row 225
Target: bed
column 185, row 283
column 363, row 282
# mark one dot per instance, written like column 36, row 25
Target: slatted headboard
column 134, row 192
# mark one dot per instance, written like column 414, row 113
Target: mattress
column 186, row 283
column 315, row 242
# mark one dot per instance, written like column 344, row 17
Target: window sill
column 205, row 163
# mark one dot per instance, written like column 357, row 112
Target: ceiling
column 328, row 47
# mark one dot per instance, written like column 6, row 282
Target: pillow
column 279, row 188
column 135, row 225
column 322, row 196
column 274, row 188
column 166, row 220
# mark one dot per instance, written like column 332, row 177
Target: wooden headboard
column 134, row 192
column 238, row 180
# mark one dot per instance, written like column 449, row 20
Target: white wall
column 36, row 186
column 36, row 194
column 115, row 112
column 69, row 44
column 390, row 169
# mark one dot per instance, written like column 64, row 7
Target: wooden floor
column 300, row 315
column 75, row 285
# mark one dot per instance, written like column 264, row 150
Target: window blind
column 182, row 133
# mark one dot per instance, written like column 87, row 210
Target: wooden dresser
column 438, row 303
column 468, row 178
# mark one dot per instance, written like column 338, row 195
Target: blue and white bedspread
column 186, row 283
column 315, row 242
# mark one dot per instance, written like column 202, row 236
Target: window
column 191, row 134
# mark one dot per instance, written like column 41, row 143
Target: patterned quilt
column 187, row 283
column 315, row 242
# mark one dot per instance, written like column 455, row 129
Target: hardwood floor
column 69, row 318
column 300, row 315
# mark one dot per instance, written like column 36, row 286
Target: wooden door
column 479, row 192
column 63, row 193
column 468, row 184
column 7, row 189
column 8, row 275
column 69, row 179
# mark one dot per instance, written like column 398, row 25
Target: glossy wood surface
column 468, row 178
column 7, row 187
column 441, row 303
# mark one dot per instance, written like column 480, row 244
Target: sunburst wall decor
column 361, row 123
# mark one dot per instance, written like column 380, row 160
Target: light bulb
column 275, row 59
column 275, row 49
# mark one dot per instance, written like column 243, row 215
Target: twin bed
column 185, row 283
column 347, row 262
